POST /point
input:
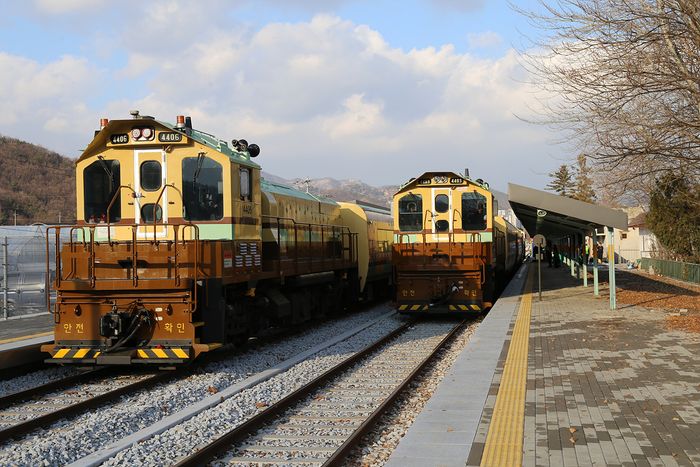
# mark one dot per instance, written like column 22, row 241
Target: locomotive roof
column 289, row 191
column 201, row 137
column 428, row 179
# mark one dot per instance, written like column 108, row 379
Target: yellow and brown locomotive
column 180, row 247
column 452, row 253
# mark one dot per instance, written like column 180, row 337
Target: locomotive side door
column 441, row 214
column 149, row 179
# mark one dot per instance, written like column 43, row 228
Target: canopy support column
column 611, row 266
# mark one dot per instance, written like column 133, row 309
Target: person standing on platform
column 599, row 251
column 587, row 250
column 555, row 254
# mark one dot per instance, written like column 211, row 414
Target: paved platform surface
column 25, row 326
column 443, row 432
column 603, row 388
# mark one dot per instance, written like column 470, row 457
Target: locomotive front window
column 473, row 211
column 411, row 213
column 101, row 181
column 202, row 189
column 442, row 203
column 151, row 175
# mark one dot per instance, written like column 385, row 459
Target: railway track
column 322, row 421
column 24, row 411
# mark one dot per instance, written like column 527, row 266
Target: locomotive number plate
column 120, row 138
column 169, row 137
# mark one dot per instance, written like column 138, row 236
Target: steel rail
column 27, row 426
column 19, row 396
column 45, row 389
column 224, row 443
column 339, row 455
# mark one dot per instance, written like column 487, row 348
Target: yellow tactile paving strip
column 504, row 442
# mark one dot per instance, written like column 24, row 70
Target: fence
column 24, row 282
column 688, row 272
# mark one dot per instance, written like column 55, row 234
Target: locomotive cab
column 445, row 253
column 163, row 211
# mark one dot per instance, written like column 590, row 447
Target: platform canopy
column 557, row 216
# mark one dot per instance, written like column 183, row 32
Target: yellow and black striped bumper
column 69, row 353
column 147, row 355
column 174, row 352
column 470, row 307
column 440, row 309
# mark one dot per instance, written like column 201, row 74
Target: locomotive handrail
column 343, row 231
column 306, row 223
column 48, row 268
column 109, row 208
column 195, row 228
column 90, row 245
column 155, row 205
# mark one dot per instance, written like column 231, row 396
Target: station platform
column 21, row 340
column 563, row 381
column 25, row 327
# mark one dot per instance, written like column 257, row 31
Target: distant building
column 636, row 242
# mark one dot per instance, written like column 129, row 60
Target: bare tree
column 626, row 79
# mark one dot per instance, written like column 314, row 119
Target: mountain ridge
column 36, row 184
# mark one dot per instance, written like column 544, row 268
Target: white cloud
column 358, row 118
column 44, row 95
column 324, row 97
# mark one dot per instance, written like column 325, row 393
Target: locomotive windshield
column 101, row 181
column 411, row 213
column 151, row 175
column 473, row 211
column 442, row 203
column 202, row 189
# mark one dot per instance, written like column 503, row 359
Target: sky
column 377, row 91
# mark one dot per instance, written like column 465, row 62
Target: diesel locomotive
column 452, row 252
column 181, row 246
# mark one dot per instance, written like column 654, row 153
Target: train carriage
column 452, row 252
column 181, row 246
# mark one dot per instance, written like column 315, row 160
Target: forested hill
column 37, row 183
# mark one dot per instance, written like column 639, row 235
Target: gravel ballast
column 380, row 442
column 69, row 440
column 180, row 441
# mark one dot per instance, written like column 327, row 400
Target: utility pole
column 59, row 217
column 15, row 218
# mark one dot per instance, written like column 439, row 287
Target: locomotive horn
column 242, row 145
column 253, row 150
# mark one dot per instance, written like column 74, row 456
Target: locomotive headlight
column 147, row 133
column 136, row 133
